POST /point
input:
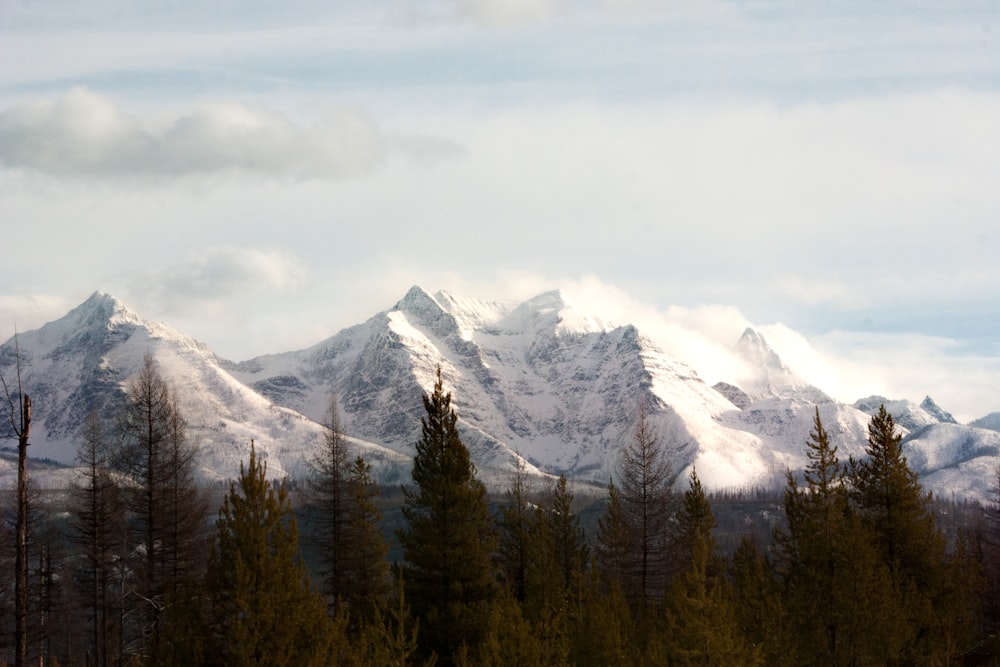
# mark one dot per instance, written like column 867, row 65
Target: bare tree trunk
column 21, row 557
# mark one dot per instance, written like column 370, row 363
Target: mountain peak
column 105, row 305
column 99, row 311
column 756, row 350
column 936, row 411
column 773, row 377
column 553, row 300
column 417, row 300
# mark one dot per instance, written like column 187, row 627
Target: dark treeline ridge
column 136, row 564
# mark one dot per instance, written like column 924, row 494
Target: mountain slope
column 84, row 361
column 536, row 380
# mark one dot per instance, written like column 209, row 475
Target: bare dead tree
column 20, row 422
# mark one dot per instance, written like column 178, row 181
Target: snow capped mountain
column 773, row 379
column 990, row 422
column 536, row 380
column 906, row 414
column 84, row 361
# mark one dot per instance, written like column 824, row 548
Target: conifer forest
column 143, row 563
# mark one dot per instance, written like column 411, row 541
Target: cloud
column 85, row 134
column 518, row 12
column 508, row 11
column 211, row 275
column 29, row 311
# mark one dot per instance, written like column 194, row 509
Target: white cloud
column 215, row 274
column 24, row 312
column 85, row 134
column 509, row 11
column 853, row 365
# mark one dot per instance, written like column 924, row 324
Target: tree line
column 148, row 568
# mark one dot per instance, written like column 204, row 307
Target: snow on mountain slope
column 990, row 422
column 785, row 424
column 536, row 379
column 954, row 460
column 906, row 414
column 85, row 360
column 773, row 379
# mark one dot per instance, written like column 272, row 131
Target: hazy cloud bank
column 85, row 134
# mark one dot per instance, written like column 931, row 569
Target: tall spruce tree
column 703, row 625
column 367, row 548
column 569, row 544
column 613, row 547
column 695, row 522
column 837, row 592
column 449, row 538
column 515, row 528
column 758, row 605
column 895, row 509
column 263, row 610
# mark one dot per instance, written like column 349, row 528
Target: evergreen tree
column 837, row 594
column 702, row 622
column 352, row 548
column 891, row 501
column 557, row 556
column 898, row 513
column 569, row 544
column 365, row 544
column 695, row 522
column 613, row 540
column 758, row 605
column 449, row 539
column 604, row 633
column 390, row 638
column 515, row 528
column 263, row 610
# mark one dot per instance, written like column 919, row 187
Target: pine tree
column 557, row 558
column 758, row 605
column 891, row 501
column 837, row 594
column 647, row 504
column 604, row 633
column 367, row 549
column 450, row 537
column 570, row 550
column 898, row 513
column 352, row 549
column 389, row 639
column 702, row 622
column 613, row 540
column 263, row 610
column 515, row 527
column 695, row 522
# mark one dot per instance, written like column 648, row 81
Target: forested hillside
column 139, row 563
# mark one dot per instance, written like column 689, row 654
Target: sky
column 260, row 175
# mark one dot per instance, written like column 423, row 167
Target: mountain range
column 535, row 381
